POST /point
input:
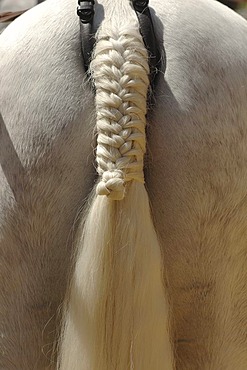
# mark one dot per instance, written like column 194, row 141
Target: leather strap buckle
column 140, row 5
column 85, row 11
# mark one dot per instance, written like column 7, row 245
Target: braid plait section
column 120, row 72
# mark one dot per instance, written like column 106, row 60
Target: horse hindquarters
column 196, row 179
column 197, row 182
column 45, row 175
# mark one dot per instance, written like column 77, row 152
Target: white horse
column 117, row 316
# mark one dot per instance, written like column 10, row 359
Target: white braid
column 120, row 72
column 117, row 316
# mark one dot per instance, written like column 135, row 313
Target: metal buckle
column 85, row 10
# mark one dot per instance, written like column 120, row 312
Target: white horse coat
column 196, row 176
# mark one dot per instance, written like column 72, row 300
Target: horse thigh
column 45, row 175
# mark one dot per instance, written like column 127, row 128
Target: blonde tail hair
column 117, row 317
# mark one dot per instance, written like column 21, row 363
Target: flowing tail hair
column 117, row 315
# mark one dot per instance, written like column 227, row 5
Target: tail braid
column 117, row 314
column 120, row 72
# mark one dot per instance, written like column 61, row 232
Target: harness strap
column 86, row 12
column 147, row 31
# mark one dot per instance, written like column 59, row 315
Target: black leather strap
column 85, row 12
column 148, row 35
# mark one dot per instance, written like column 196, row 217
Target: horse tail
column 117, row 316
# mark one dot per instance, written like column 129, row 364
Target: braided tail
column 117, row 312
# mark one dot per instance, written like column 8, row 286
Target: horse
column 98, row 270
